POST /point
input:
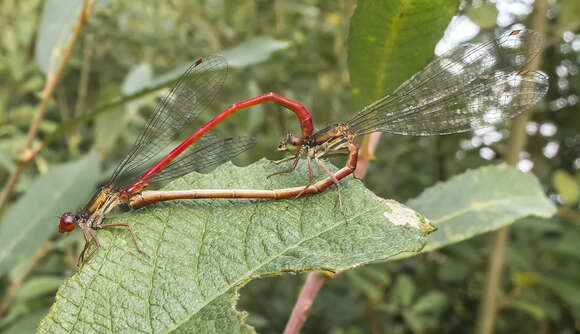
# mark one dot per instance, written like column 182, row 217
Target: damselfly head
column 290, row 143
column 68, row 221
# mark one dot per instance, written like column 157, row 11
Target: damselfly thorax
column 102, row 203
column 332, row 138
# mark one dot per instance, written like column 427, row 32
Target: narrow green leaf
column 565, row 287
column 388, row 42
column 480, row 201
column 433, row 301
column 566, row 186
column 34, row 217
column 537, row 311
column 26, row 324
column 202, row 251
column 58, row 20
column 253, row 51
column 403, row 291
column 138, row 78
column 38, row 286
column 485, row 16
column 372, row 290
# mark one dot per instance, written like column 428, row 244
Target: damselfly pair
column 471, row 86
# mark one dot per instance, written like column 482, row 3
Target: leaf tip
column 399, row 214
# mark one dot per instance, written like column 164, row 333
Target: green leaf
column 372, row 290
column 26, row 324
column 34, row 217
column 58, row 20
column 484, row 16
column 424, row 314
column 537, row 311
column 403, row 291
column 419, row 322
column 138, row 78
column 480, row 201
column 566, row 288
column 38, row 286
column 568, row 18
column 432, row 301
column 568, row 243
column 388, row 42
column 202, row 251
column 253, row 51
column 566, row 186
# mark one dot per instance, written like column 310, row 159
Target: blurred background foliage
column 125, row 44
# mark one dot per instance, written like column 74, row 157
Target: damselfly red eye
column 68, row 221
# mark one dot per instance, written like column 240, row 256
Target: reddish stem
column 300, row 311
column 367, row 154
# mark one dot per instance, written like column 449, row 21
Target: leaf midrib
column 388, row 48
column 482, row 205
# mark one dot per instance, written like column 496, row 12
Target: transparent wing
column 209, row 151
column 192, row 92
column 471, row 86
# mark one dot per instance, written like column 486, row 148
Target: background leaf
column 38, row 286
column 26, row 324
column 202, row 251
column 34, row 217
column 480, row 201
column 567, row 186
column 58, row 20
column 484, row 15
column 250, row 52
column 391, row 36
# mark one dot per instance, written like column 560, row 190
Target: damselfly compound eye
column 68, row 221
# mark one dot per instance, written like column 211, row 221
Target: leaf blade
column 58, row 19
column 391, row 36
column 480, row 201
column 202, row 251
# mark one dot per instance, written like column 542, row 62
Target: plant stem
column 488, row 304
column 85, row 74
column 52, row 79
column 366, row 154
column 314, row 282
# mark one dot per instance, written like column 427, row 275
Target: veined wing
column 460, row 90
column 192, row 92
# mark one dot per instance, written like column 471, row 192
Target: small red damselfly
column 153, row 159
